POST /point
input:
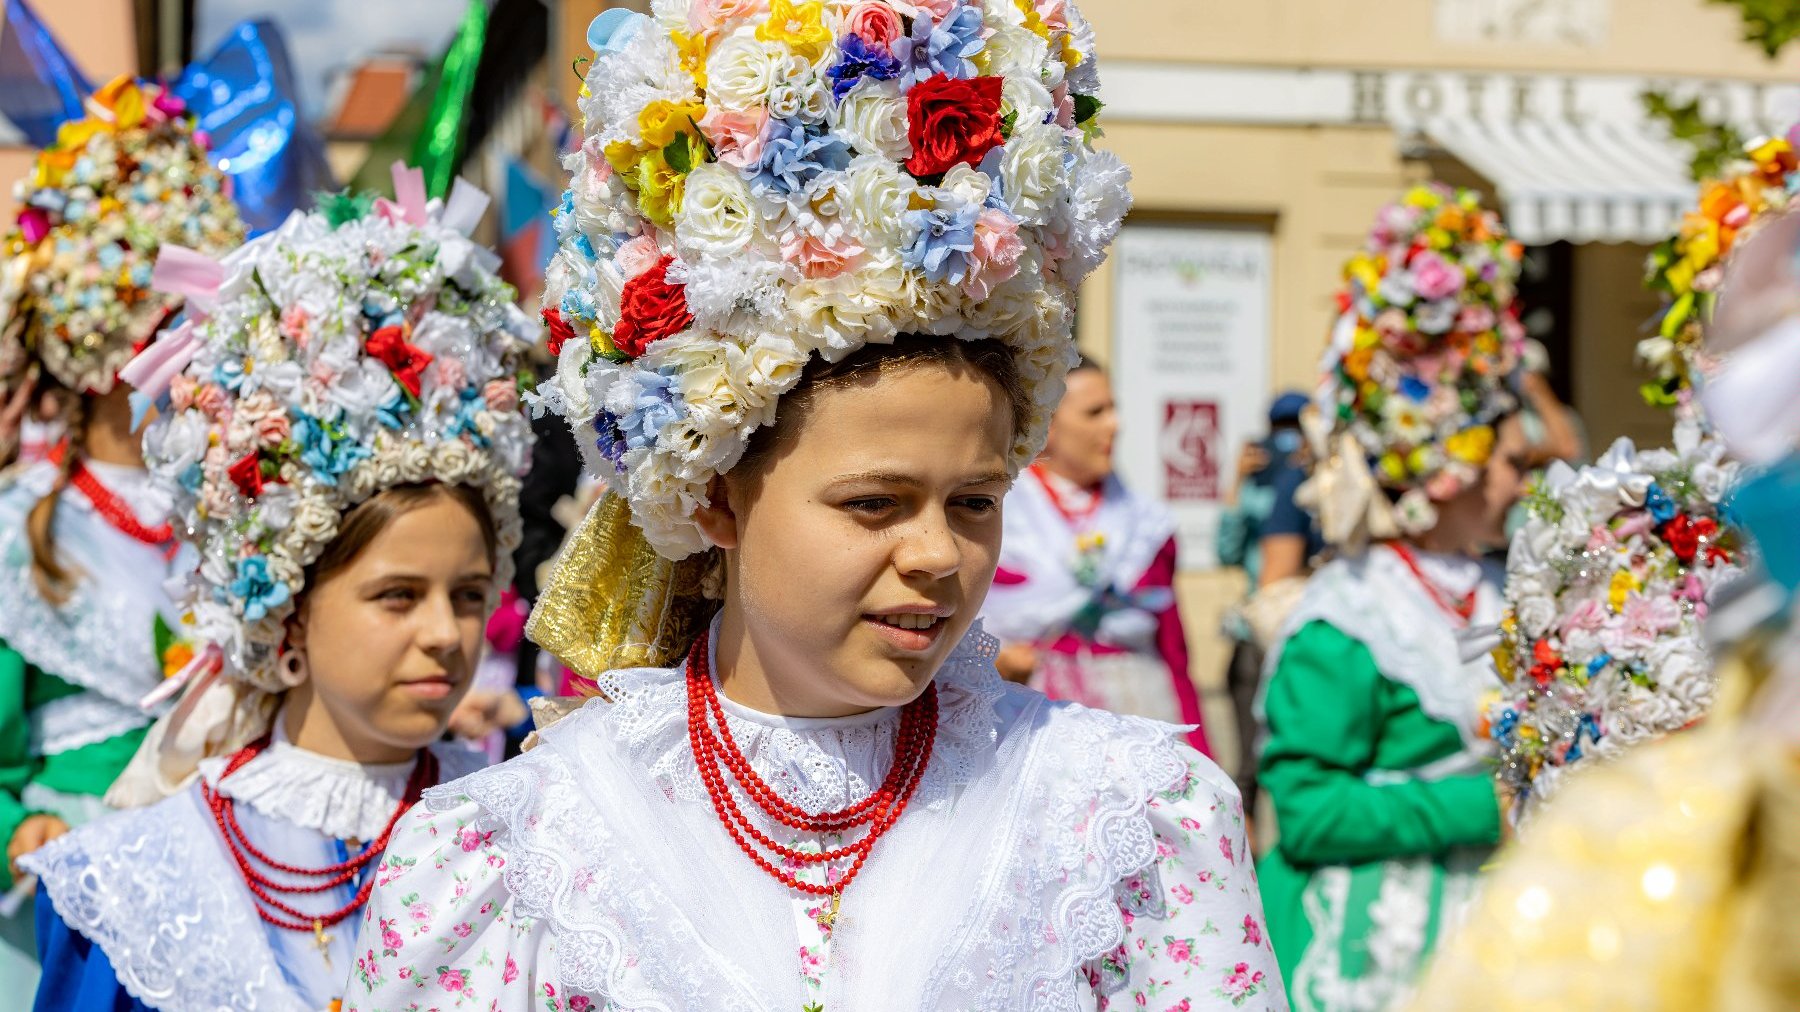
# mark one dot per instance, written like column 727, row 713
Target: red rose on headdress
column 950, row 122
column 1545, row 662
column 650, row 309
column 560, row 331
column 1684, row 534
column 407, row 362
column 246, row 474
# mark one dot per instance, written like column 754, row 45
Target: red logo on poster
column 1189, row 448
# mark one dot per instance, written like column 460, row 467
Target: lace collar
column 817, row 763
column 347, row 800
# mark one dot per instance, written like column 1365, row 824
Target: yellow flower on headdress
column 1033, row 22
column 1365, row 271
column 662, row 120
column 1623, row 583
column 800, row 27
column 692, row 50
column 1472, row 445
column 124, row 100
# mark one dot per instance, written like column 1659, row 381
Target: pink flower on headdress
column 211, row 399
column 875, row 21
column 501, row 395
column 1475, row 319
column 1055, row 14
column 295, row 324
column 637, row 256
column 737, row 135
column 709, row 15
column 1434, row 277
column 181, row 392
column 820, row 255
column 450, row 373
column 995, row 259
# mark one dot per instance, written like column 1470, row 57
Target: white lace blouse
column 1054, row 857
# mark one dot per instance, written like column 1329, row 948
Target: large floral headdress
column 1688, row 268
column 762, row 181
column 1420, row 364
column 1607, row 585
column 75, row 289
column 351, row 350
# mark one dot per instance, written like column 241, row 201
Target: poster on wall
column 1190, row 365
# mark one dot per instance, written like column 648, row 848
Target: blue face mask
column 1286, row 441
column 1766, row 506
column 1516, row 517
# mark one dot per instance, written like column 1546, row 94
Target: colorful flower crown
column 1688, row 267
column 1420, row 365
column 353, row 349
column 761, row 181
column 75, row 290
column 1607, row 585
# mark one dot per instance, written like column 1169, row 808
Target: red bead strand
column 715, row 747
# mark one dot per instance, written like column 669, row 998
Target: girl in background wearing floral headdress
column 813, row 304
column 341, row 438
column 1372, row 755
column 86, row 629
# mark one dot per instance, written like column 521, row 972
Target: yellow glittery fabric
column 612, row 602
column 1665, row 881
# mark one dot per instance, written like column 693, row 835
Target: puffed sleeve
column 441, row 930
column 1194, row 936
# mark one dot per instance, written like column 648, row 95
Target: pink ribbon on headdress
column 154, row 368
column 206, row 663
column 409, row 193
column 190, row 274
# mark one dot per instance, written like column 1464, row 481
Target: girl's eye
column 870, row 505
column 398, row 595
column 979, row 503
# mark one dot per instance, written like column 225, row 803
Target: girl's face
column 1080, row 447
column 860, row 554
column 391, row 640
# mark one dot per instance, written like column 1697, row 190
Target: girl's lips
column 912, row 641
column 429, row 688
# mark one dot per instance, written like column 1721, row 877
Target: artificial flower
column 951, row 122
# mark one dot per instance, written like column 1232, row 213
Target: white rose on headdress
column 416, row 463
column 454, row 462
column 743, row 70
column 1030, row 101
column 718, row 216
column 877, row 195
column 1031, row 165
column 177, row 445
column 872, row 117
column 1013, row 51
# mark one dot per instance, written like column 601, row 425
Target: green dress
column 71, row 675
column 1384, row 807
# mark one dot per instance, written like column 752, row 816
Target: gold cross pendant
column 322, row 940
column 831, row 916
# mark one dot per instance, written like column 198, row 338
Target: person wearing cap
column 1373, row 756
column 813, row 311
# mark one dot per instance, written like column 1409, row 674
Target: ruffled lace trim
column 150, row 889
column 346, row 800
column 102, row 638
column 819, row 764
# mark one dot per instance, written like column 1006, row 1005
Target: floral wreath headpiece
column 1607, row 587
column 75, row 288
column 1688, row 268
column 366, row 345
column 1421, row 363
column 762, row 181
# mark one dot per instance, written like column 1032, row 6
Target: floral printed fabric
column 442, row 932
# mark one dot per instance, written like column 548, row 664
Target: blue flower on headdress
column 945, row 238
column 658, row 404
column 858, row 60
column 941, row 47
column 795, row 154
column 393, row 412
column 260, row 591
column 1660, row 505
column 610, row 441
column 469, row 404
column 1504, row 728
column 1414, row 388
column 325, row 447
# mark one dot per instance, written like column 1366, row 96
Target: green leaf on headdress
column 1678, row 314
column 163, row 637
column 679, row 155
column 344, row 206
column 1007, row 124
column 1086, row 108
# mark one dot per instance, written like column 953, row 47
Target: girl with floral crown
column 1665, row 880
column 1372, row 755
column 341, row 438
column 813, row 312
column 86, row 628
column 1084, row 597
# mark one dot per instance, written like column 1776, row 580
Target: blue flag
column 245, row 98
column 40, row 87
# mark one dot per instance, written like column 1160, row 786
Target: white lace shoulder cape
column 1374, row 600
column 102, row 639
column 153, row 889
column 1002, row 876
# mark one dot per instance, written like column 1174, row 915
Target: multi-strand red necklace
column 715, row 751
column 263, row 888
column 111, row 507
column 1461, row 606
column 1074, row 517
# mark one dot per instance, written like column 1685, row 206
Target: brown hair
column 372, row 516
column 54, row 580
column 988, row 357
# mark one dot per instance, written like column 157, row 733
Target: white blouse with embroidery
column 1054, row 857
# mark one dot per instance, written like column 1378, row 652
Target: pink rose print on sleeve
column 1240, row 985
column 1253, row 932
column 1225, row 849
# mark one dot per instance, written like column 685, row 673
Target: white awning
column 1601, row 181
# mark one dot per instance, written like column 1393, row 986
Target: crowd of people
column 760, row 623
